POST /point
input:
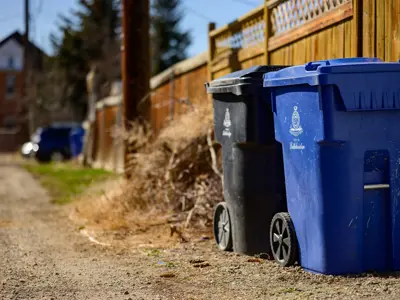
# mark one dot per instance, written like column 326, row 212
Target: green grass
column 64, row 181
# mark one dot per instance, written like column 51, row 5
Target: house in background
column 13, row 121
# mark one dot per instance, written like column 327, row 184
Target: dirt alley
column 44, row 256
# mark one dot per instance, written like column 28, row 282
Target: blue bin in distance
column 77, row 135
column 337, row 122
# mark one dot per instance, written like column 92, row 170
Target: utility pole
column 135, row 53
column 26, row 38
column 27, row 72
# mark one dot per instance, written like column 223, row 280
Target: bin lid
column 241, row 82
column 318, row 72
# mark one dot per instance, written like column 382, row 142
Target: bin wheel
column 283, row 240
column 223, row 227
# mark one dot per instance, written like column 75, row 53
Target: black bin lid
column 242, row 82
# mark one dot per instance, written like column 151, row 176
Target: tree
column 168, row 41
column 88, row 35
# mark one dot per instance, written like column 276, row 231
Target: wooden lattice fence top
column 290, row 14
column 245, row 33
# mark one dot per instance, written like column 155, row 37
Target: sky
column 44, row 18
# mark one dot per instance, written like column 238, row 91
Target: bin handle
column 312, row 66
column 376, row 186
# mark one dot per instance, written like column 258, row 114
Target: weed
column 64, row 181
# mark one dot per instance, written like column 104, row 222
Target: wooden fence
column 293, row 32
column 281, row 32
column 108, row 147
column 177, row 90
column 173, row 92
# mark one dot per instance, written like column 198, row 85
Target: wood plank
column 308, row 49
column 328, row 36
column 348, row 40
column 267, row 32
column 389, row 6
column 343, row 12
column 249, row 53
column 321, row 45
column 396, row 31
column 295, row 53
column 220, row 64
column 299, row 52
column 276, row 57
column 341, row 38
column 356, row 34
column 211, row 48
column 221, row 73
column 380, row 29
column 335, row 41
column 289, row 55
column 273, row 3
column 338, row 41
column 368, row 28
column 253, row 61
column 314, row 48
column 283, row 55
column 273, row 58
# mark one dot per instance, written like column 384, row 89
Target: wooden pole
column 211, row 50
column 135, row 55
column 357, row 33
column 27, row 70
column 26, row 39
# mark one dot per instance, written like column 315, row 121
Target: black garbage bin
column 254, row 183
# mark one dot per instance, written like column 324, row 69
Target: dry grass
column 173, row 179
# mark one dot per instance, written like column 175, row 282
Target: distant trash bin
column 77, row 135
column 338, row 124
column 58, row 142
column 252, row 162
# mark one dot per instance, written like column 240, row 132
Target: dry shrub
column 175, row 176
column 174, row 173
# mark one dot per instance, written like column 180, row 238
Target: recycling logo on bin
column 296, row 130
column 227, row 123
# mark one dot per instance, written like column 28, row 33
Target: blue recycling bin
column 76, row 137
column 337, row 121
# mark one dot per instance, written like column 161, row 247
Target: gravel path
column 43, row 256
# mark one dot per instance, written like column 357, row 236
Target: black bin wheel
column 283, row 240
column 223, row 227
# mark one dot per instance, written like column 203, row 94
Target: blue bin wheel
column 283, row 240
column 223, row 227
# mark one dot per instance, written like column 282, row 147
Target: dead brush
column 179, row 172
column 177, row 175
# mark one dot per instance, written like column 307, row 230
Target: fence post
column 118, row 137
column 172, row 95
column 357, row 34
column 103, row 138
column 211, row 50
column 267, row 31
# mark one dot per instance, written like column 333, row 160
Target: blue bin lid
column 317, row 73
